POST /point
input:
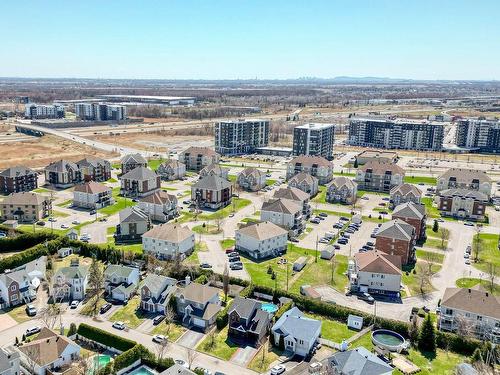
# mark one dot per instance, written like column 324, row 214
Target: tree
column 72, row 329
column 423, row 276
column 427, row 337
column 413, row 332
column 161, row 349
column 49, row 314
column 444, row 235
column 225, row 282
column 83, row 365
column 191, row 355
column 435, row 226
column 355, row 165
column 334, row 265
column 95, row 285
column 478, row 244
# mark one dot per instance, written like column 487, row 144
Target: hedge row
column 105, row 338
column 130, row 356
column 24, row 241
column 222, row 317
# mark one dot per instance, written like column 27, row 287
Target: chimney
column 188, row 280
column 486, row 294
column 469, row 290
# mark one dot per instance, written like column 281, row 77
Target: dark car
column 93, row 212
column 41, row 223
column 105, row 308
column 323, row 214
column 158, row 319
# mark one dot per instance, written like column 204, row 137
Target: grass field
column 129, row 314
column 172, row 330
column 333, row 330
column 221, row 347
column 412, row 280
column 120, row 204
column 420, row 180
column 469, row 282
column 489, row 253
column 431, row 256
column 227, row 243
column 432, row 212
column 18, row 313
column 207, row 229
column 193, row 257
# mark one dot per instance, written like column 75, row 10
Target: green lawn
column 333, row 329
column 232, row 177
column 321, row 196
column 42, row 190
column 430, row 256
column 488, row 254
column 18, row 313
column 154, row 164
column 207, row 229
column 227, row 243
column 345, row 174
column 412, row 280
column 330, row 212
column 135, row 247
column 193, row 257
column 173, row 330
column 469, row 282
column 65, row 203
column 420, row 180
column 432, row 211
column 249, row 220
column 221, row 347
column 87, row 308
column 120, row 204
column 261, row 362
column 364, row 341
column 129, row 314
column 28, row 228
column 237, row 204
column 441, row 363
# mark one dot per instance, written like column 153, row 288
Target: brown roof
column 281, row 205
column 379, row 262
column 309, row 160
column 291, row 193
column 377, row 154
column 25, row 198
column 251, row 171
column 47, row 347
column 92, row 187
column 475, row 300
column 381, row 168
column 466, row 175
column 200, row 150
column 199, row 293
column 405, row 189
column 159, row 197
column 301, row 177
column 171, row 232
column 262, row 231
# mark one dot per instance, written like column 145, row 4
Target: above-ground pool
column 269, row 307
column 388, row 340
column 142, row 370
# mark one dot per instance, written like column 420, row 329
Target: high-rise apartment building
column 396, row 134
column 241, row 136
column 479, row 134
column 42, row 111
column 100, row 111
column 314, row 139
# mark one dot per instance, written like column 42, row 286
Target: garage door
column 199, row 322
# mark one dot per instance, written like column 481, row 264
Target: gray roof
column 212, row 182
column 291, row 193
column 61, row 166
column 303, row 177
column 6, row 356
column 397, row 229
column 251, row 171
column 341, row 181
column 157, row 283
column 134, row 158
column 281, row 205
column 177, row 369
column 410, row 210
column 405, row 189
column 262, row 231
column 244, row 307
column 93, row 161
column 35, row 267
column 465, row 175
column 294, row 323
column 474, row 300
column 464, row 193
column 17, row 171
column 119, row 269
column 310, row 160
column 379, row 168
column 73, row 272
column 18, row 276
column 198, row 292
column 132, row 214
column 359, row 362
column 25, row 198
column 139, row 173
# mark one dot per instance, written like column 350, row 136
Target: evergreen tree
column 355, row 163
column 413, row 332
column 427, row 337
column 435, row 226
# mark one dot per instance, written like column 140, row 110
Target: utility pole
column 316, row 253
column 286, row 265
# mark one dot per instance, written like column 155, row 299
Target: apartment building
column 261, row 240
column 471, row 311
column 396, row 133
column 63, row 174
column 413, row 214
column 397, row 237
column 160, row 206
column 132, row 161
column 316, row 166
column 314, row 139
column 284, row 213
column 197, row 158
column 298, row 196
column 305, row 182
column 376, row 155
column 212, row 191
column 94, row 169
column 482, row 135
column 405, row 193
column 139, row 182
column 100, row 112
column 92, row 195
column 463, row 203
column 251, row 179
column 376, row 176
column 238, row 137
column 43, row 111
column 133, row 224
column 171, row 170
column 167, row 241
column 214, row 170
column 459, row 178
column 342, row 190
column 17, row 179
column 25, row 207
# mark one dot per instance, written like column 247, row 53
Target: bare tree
column 465, row 327
column 492, row 274
column 444, row 235
column 477, row 244
column 161, row 349
column 95, row 286
column 334, row 266
column 225, row 282
column 423, row 276
column 169, row 318
column 49, row 314
column 191, row 355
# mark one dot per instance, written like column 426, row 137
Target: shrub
column 105, row 338
column 130, row 356
column 248, row 291
column 24, row 241
column 202, row 279
column 72, row 329
column 222, row 317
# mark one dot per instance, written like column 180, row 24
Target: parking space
column 190, row 339
column 243, row 356
column 318, row 231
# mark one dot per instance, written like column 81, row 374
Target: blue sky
column 183, row 39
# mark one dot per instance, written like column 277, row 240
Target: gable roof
column 359, row 361
column 303, row 177
column 409, row 210
column 132, row 214
column 262, row 231
column 294, row 323
column 244, row 307
column 215, row 168
column 291, row 193
column 92, row 187
column 397, row 229
column 381, row 168
column 339, row 182
column 73, row 272
column 61, row 166
column 475, row 300
column 465, row 175
column 139, row 173
column 251, row 171
column 25, row 198
column 309, row 160
column 464, row 193
column 18, row 276
column 177, row 369
column 281, row 205
column 171, row 232
column 134, row 158
column 205, row 151
column 378, row 262
column 159, row 197
column 93, row 161
column 212, row 182
column 172, row 163
column 157, row 283
column 17, row 171
column 198, row 293
column 119, row 269
column 406, row 189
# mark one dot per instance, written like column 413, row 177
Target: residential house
column 132, row 161
column 167, row 241
column 121, row 281
column 16, row 288
column 459, row 178
column 94, row 169
column 285, row 213
column 18, row 179
column 376, row 272
column 49, row 353
column 251, row 179
column 63, row 174
column 297, row 196
column 261, row 240
column 10, row 360
column 198, row 305
column 72, row 234
column 197, row 158
column 381, row 177
column 305, row 182
column 405, row 193
column 133, row 224
column 414, row 214
column 156, row 291
column 70, row 283
column 297, row 333
column 214, row 170
column 171, row 170
column 472, row 310
column 316, row 166
column 247, row 321
column 25, row 207
column 358, row 361
column 342, row 190
column 212, row 191
column 463, row 203
column 160, row 206
column 376, row 155
column 397, row 237
column 177, row 369
column 92, row 195
column 139, row 182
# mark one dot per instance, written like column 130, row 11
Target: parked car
column 64, row 226
column 30, row 310
column 32, row 330
column 323, row 214
column 159, row 339
column 41, row 223
column 466, row 255
column 230, row 250
column 158, row 319
column 469, row 223
column 205, row 265
column 52, row 219
column 234, row 259
column 93, row 212
column 467, row 261
column 74, row 304
column 104, row 308
column 366, row 297
column 236, row 266
column 369, row 243
column 294, row 240
column 119, row 325
column 278, row 369
column 181, row 362
column 75, row 222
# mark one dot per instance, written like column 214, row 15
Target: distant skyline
column 273, row 39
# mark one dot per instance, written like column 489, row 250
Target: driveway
column 190, row 339
column 243, row 356
column 6, row 321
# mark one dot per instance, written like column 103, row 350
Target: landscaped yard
column 261, row 361
column 206, row 229
column 193, row 257
column 172, row 330
column 120, row 204
column 333, row 330
column 218, row 345
column 432, row 211
column 420, row 180
column 413, row 280
column 87, row 308
column 321, row 196
column 435, row 243
column 469, row 282
column 129, row 314
column 489, row 252
column 18, row 313
column 430, row 256
column 440, row 363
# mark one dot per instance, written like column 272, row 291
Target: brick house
column 94, row 169
column 197, row 158
column 413, row 214
column 17, row 179
column 397, row 237
column 139, row 182
column 463, row 203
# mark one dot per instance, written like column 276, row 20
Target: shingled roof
column 171, row 232
column 409, row 210
column 406, row 189
column 199, row 151
column 159, row 197
column 339, row 182
column 464, row 193
column 309, row 160
column 134, row 158
column 291, row 193
column 378, row 262
column 465, row 175
column 262, row 231
column 61, row 166
column 396, row 229
column 139, row 173
column 17, row 171
column 212, row 182
column 475, row 300
column 303, row 177
column 381, row 168
column 281, row 205
column 24, row 198
column 92, row 187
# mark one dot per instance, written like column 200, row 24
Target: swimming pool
column 389, row 340
column 99, row 361
column 143, row 370
column 269, row 307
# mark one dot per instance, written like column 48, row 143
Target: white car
column 75, row 222
column 74, row 304
column 181, row 362
column 32, row 330
column 467, row 261
column 64, row 226
column 119, row 325
column 277, row 370
column 159, row 339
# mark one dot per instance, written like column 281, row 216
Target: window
column 13, row 287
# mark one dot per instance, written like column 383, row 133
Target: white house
column 10, row 360
column 92, row 195
column 261, row 240
column 171, row 170
column 15, row 288
column 121, row 281
column 166, row 241
column 160, row 206
column 458, row 178
column 298, row 332
column 285, row 213
column 70, row 283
